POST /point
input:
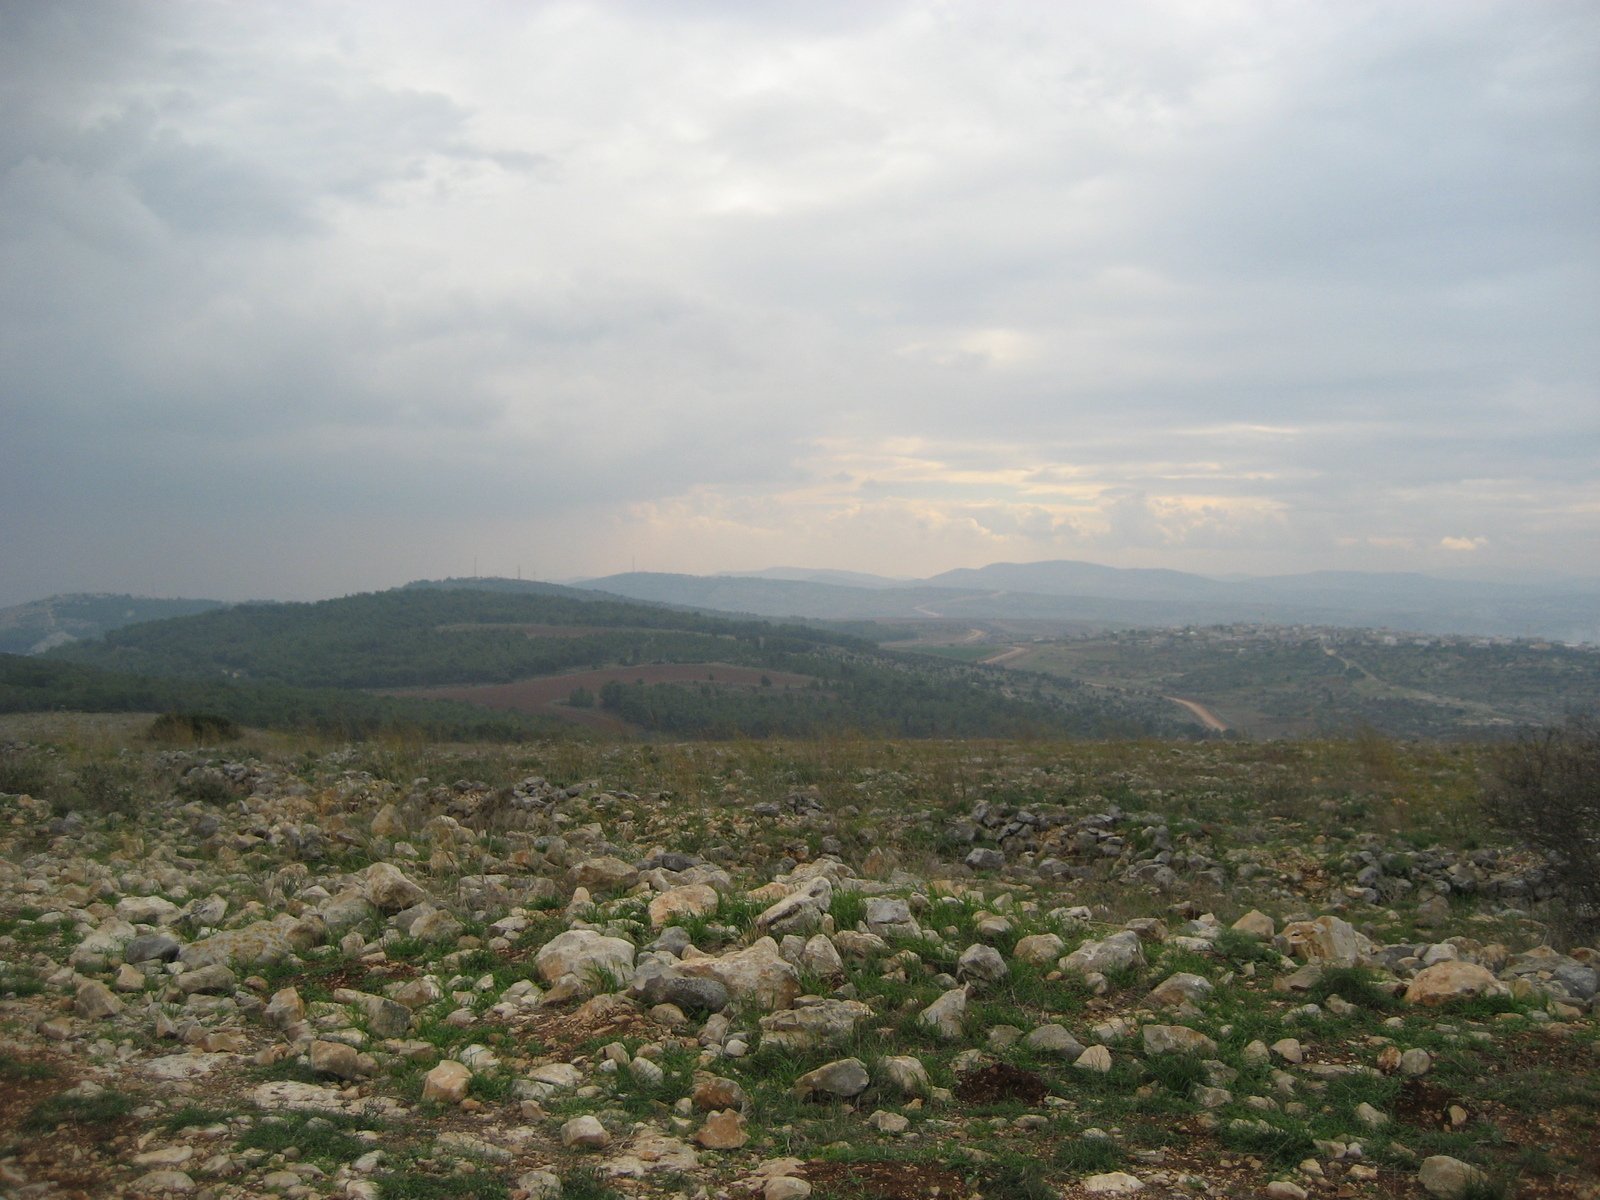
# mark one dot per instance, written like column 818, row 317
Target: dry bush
column 1545, row 788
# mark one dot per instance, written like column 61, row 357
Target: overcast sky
column 305, row 299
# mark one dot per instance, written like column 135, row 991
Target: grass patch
column 191, row 1115
column 466, row 1185
column 77, row 1110
column 13, row 1068
column 322, row 1138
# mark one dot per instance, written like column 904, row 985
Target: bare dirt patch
column 882, row 1180
column 1002, row 1081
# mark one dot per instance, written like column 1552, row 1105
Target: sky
column 298, row 300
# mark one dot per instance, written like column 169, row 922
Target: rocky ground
column 877, row 971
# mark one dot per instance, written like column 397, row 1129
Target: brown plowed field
column 544, row 693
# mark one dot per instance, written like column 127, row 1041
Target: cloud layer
column 298, row 300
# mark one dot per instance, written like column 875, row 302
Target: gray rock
column 1115, row 953
column 813, row 1022
column 688, row 992
column 983, row 859
column 215, row 979
column 1054, row 1039
column 151, row 947
column 95, row 1001
column 843, row 1079
column 944, row 1015
column 1176, row 1039
column 1448, row 1178
column 981, row 963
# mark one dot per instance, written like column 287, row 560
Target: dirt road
column 1207, row 718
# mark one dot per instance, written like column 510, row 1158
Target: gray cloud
column 295, row 300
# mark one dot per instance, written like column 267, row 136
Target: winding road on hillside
column 1206, row 717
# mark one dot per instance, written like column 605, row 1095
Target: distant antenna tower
column 474, row 566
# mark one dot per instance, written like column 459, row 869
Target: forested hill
column 429, row 636
column 419, row 635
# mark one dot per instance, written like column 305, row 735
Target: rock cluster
column 521, row 980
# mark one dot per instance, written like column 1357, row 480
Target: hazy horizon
column 297, row 301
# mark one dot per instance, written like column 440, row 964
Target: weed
column 586, row 1183
column 14, row 1068
column 65, row 1109
column 323, row 1138
column 464, row 1185
column 193, row 1114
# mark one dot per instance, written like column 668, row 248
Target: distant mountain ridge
column 1080, row 592
column 42, row 625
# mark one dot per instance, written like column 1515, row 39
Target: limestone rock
column 585, row 1133
column 389, row 890
column 723, row 1130
column 981, row 963
column 757, row 975
column 843, row 1079
column 812, row 1023
column 1448, row 1178
column 94, row 1001
column 1177, row 1039
column 1115, row 953
column 690, row 900
column 944, row 1015
column 1326, row 940
column 1113, row 1183
column 604, row 874
column 447, row 1083
column 583, row 953
column 1447, row 981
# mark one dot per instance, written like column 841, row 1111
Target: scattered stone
column 723, row 1130
column 1449, row 1178
column 1095, row 1058
column 447, row 1083
column 1113, row 1183
column 981, row 963
column 843, row 1079
column 95, row 1001
column 1327, row 940
column 1177, row 1039
column 813, row 1023
column 585, row 1133
column 1116, row 953
column 945, row 1015
column 1447, row 981
column 585, row 955
column 690, row 900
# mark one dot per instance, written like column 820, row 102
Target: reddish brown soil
column 544, row 694
column 1002, row 1081
column 536, row 631
column 882, row 1181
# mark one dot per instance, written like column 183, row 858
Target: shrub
column 1544, row 788
column 195, row 728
